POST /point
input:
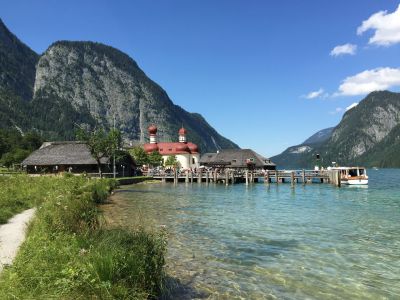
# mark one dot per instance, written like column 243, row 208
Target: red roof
column 172, row 148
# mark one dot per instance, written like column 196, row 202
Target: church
column 186, row 153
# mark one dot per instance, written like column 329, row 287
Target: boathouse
column 73, row 157
column 186, row 153
column 237, row 159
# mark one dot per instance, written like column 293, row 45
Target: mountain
column 17, row 65
column 17, row 76
column 320, row 136
column 368, row 134
column 89, row 84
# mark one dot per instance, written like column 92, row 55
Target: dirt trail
column 12, row 235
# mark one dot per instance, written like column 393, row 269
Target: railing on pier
column 230, row 176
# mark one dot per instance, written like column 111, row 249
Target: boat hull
column 355, row 181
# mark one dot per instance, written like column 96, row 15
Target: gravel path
column 12, row 235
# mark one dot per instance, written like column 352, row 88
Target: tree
column 155, row 159
column 15, row 157
column 100, row 143
column 171, row 161
column 140, row 156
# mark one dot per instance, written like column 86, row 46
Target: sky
column 265, row 74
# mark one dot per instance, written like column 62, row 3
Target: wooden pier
column 248, row 177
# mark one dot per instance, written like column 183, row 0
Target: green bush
column 68, row 254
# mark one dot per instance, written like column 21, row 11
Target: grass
column 20, row 192
column 68, row 254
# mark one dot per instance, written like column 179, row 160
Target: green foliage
column 140, row 155
column 171, row 161
column 100, row 143
column 18, row 193
column 14, row 157
column 14, row 147
column 155, row 159
column 68, row 253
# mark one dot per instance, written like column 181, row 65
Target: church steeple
column 182, row 135
column 153, row 134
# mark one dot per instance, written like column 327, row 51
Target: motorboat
column 353, row 175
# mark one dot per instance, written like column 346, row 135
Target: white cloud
column 315, row 94
column 351, row 106
column 344, row 49
column 386, row 27
column 336, row 111
column 368, row 81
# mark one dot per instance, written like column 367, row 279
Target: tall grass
column 68, row 254
column 21, row 192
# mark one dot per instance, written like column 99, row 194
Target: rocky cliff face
column 17, row 65
column 86, row 83
column 17, row 76
column 367, row 124
column 106, row 82
column 368, row 134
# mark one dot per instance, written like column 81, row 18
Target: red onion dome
column 193, row 147
column 182, row 147
column 152, row 129
column 182, row 131
column 150, row 147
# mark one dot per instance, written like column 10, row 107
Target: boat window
column 361, row 172
column 353, row 172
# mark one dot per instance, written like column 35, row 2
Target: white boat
column 353, row 175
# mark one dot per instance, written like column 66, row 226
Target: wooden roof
column 62, row 153
column 236, row 158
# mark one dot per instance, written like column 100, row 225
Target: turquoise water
column 277, row 242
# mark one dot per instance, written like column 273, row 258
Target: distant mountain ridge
column 368, row 134
column 320, row 136
column 17, row 64
column 86, row 83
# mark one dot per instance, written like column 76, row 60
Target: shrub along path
column 67, row 253
column 12, row 235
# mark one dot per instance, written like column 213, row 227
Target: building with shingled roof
column 237, row 159
column 73, row 157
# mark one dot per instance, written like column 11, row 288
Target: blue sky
column 265, row 74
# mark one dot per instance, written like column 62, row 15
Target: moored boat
column 353, row 175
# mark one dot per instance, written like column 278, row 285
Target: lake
column 262, row 241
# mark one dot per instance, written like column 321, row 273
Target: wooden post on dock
column 226, row 177
column 338, row 184
column 199, row 176
column 215, row 176
column 187, row 176
column 233, row 177
column 247, row 177
column 175, row 176
column 207, row 177
column 276, row 176
column 266, row 178
column 292, row 178
column 303, row 175
column 163, row 177
column 191, row 176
